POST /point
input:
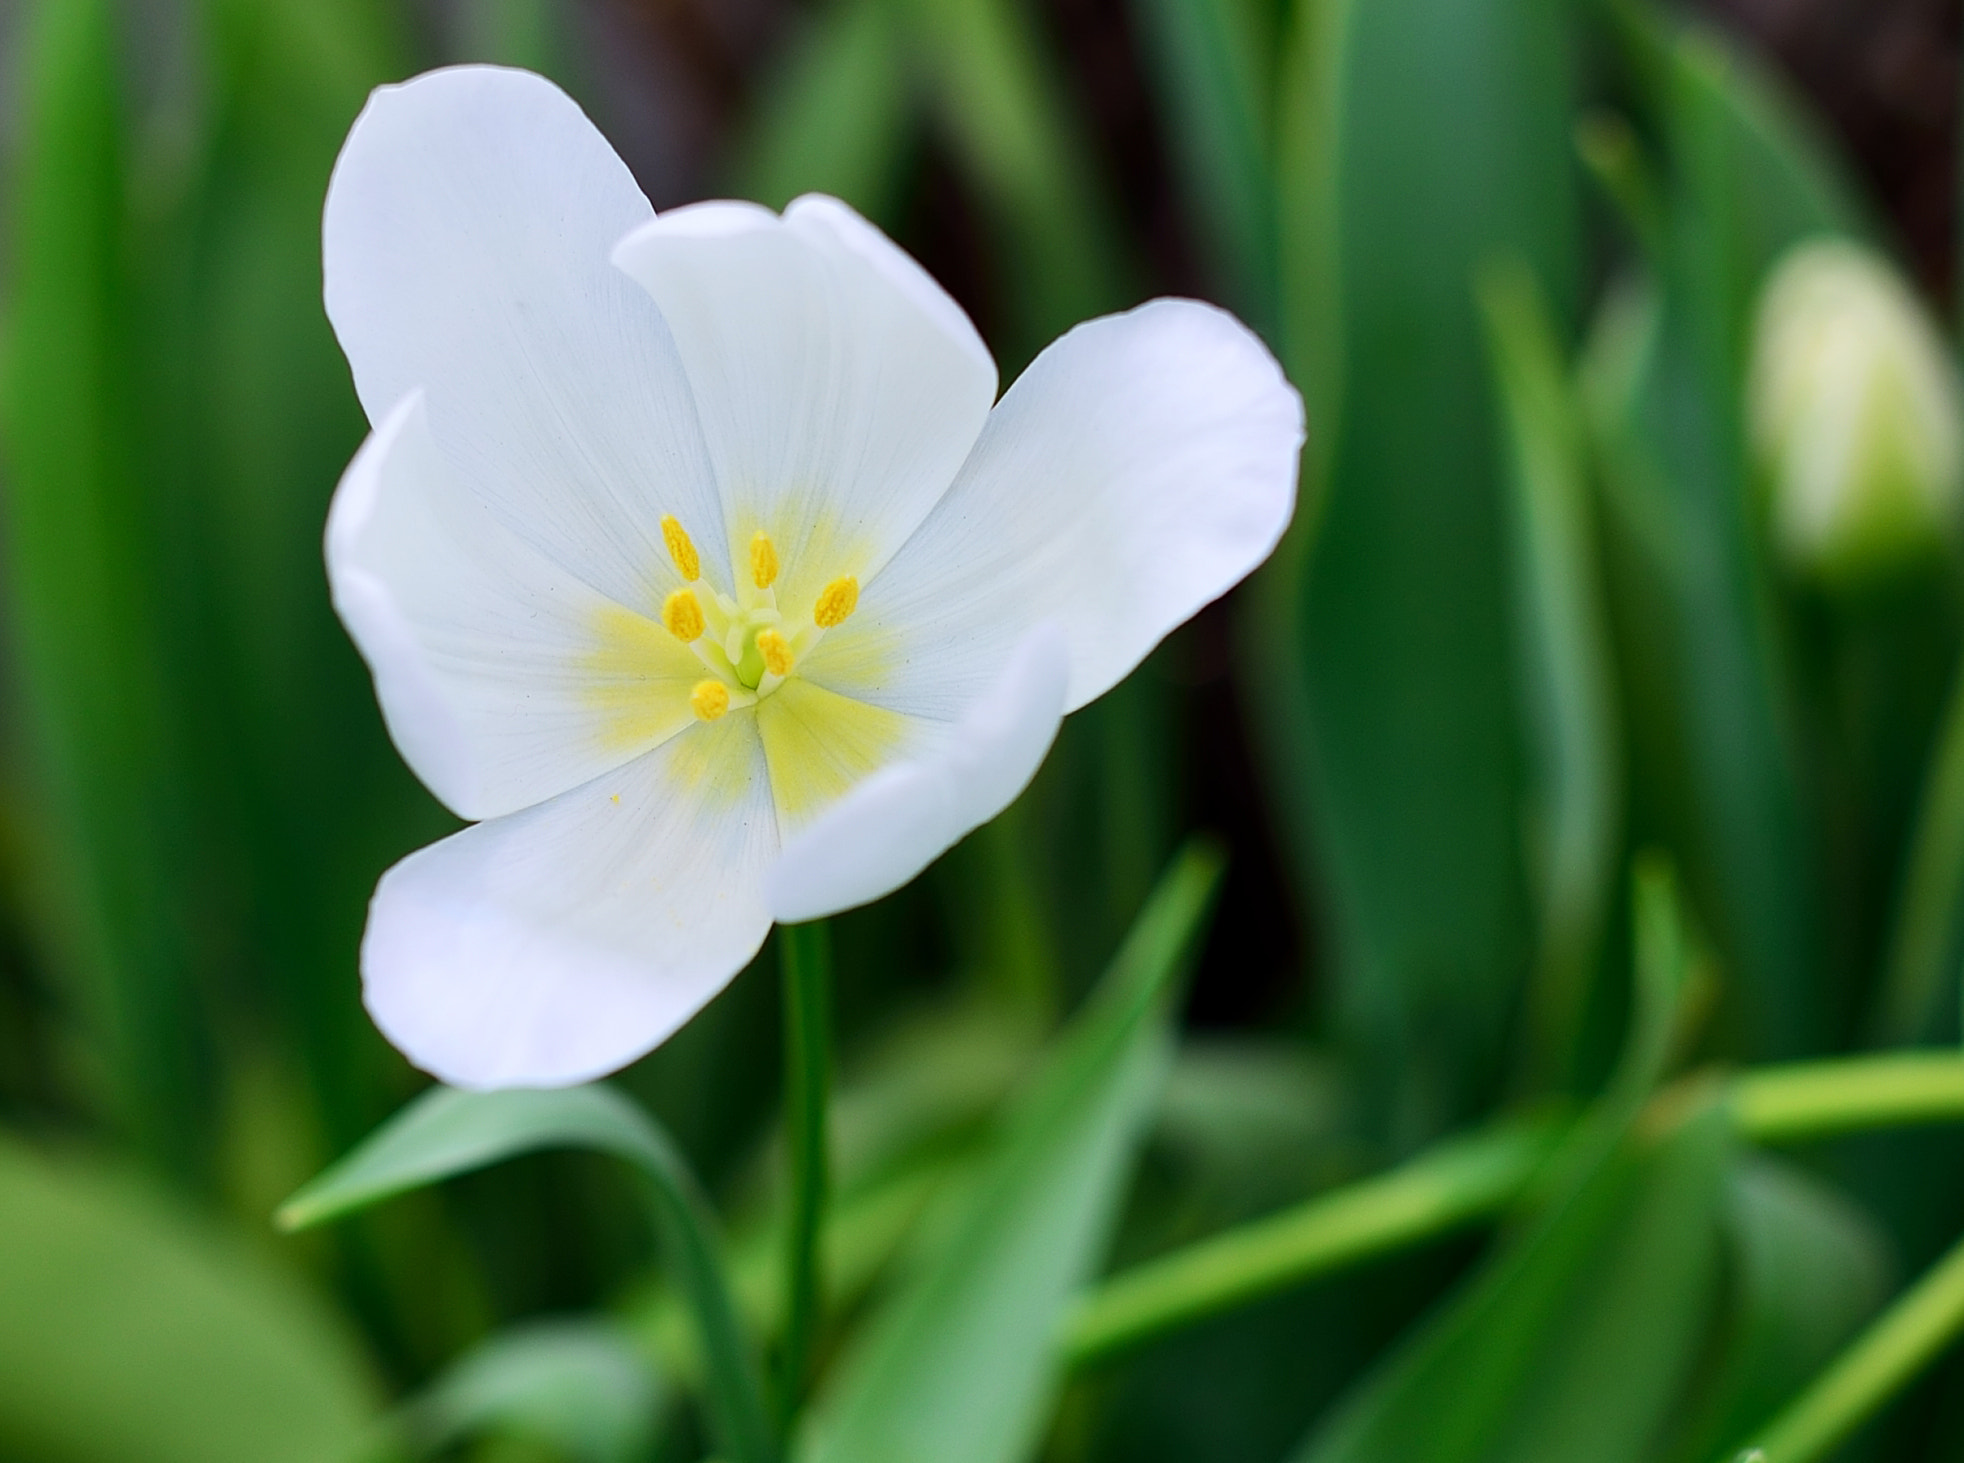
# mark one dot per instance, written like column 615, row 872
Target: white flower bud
column 1854, row 406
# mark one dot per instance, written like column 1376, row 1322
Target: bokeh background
column 1429, row 740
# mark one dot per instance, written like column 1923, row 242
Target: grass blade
column 1567, row 675
column 962, row 1365
column 447, row 1132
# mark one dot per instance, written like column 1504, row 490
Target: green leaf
column 1308, row 152
column 1808, row 1268
column 1454, row 1184
column 1922, row 950
column 286, row 752
column 1451, row 141
column 1252, row 1122
column 132, row 1334
column 1919, row 1326
column 1213, row 63
column 909, row 1122
column 1789, row 179
column 1715, row 746
column 961, row 1365
column 579, row 1385
column 835, row 119
column 1577, row 1340
column 1009, row 119
column 1567, row 676
column 1309, row 339
column 447, row 1132
column 92, row 707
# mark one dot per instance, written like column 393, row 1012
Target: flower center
column 748, row 644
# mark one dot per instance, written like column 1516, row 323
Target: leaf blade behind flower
column 961, row 1365
column 447, row 1132
column 130, row 1330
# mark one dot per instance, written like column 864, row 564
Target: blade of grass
column 1480, row 1176
column 1923, row 942
column 78, row 527
column 1808, row 1267
column 1214, row 64
column 961, row 1365
column 1917, row 1328
column 1455, row 1184
column 1401, row 613
column 1567, row 676
column 447, row 1132
column 1007, row 113
column 836, row 118
column 1808, row 1100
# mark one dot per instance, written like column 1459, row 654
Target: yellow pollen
column 763, row 561
column 776, row 651
column 837, row 600
column 682, row 549
column 709, row 700
column 681, row 614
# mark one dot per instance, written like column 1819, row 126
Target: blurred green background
column 1531, row 620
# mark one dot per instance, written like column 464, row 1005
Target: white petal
column 898, row 821
column 465, row 247
column 503, row 679
column 838, row 387
column 1141, row 466
column 557, row 944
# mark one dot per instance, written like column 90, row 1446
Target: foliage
column 1622, row 863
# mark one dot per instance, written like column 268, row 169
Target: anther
column 709, row 700
column 776, row 651
column 837, row 600
column 681, row 615
column 682, row 549
column 763, row 561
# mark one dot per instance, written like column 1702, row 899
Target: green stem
column 805, row 952
column 1445, row 1189
column 1469, row 1179
column 1882, row 1361
column 1806, row 1100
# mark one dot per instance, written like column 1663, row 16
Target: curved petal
column 465, row 247
column 898, row 821
column 503, row 679
column 838, row 386
column 819, row 745
column 1141, row 466
column 555, row 945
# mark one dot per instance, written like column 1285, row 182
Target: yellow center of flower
column 748, row 644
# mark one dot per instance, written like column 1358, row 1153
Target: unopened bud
column 1854, row 405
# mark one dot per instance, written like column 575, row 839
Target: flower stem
column 1453, row 1185
column 805, row 952
column 1804, row 1100
column 1883, row 1359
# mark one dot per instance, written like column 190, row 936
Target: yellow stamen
column 837, row 600
column 682, row 549
column 709, row 700
column 776, row 651
column 681, row 613
column 763, row 561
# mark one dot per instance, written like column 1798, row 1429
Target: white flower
column 696, row 561
column 1854, row 405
